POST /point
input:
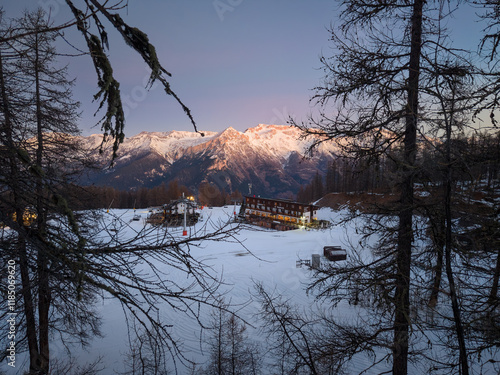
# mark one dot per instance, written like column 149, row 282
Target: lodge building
column 172, row 214
column 279, row 211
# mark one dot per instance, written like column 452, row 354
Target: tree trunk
column 464, row 367
column 42, row 264
column 492, row 299
column 438, row 268
column 21, row 247
column 405, row 232
column 29, row 310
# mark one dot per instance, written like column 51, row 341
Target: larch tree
column 67, row 260
column 90, row 18
column 374, row 78
column 230, row 350
column 377, row 82
column 43, row 106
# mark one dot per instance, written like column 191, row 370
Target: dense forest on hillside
column 477, row 167
column 93, row 197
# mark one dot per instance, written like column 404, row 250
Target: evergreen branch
column 109, row 87
column 139, row 41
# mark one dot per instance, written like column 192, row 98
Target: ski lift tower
column 234, row 207
column 184, row 205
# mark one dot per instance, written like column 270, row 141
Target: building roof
column 282, row 200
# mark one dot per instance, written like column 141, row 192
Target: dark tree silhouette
column 64, row 259
column 382, row 87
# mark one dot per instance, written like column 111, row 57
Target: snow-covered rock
column 270, row 157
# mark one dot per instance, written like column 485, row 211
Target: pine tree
column 231, row 351
column 67, row 259
column 376, row 82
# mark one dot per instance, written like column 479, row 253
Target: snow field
column 253, row 255
column 264, row 256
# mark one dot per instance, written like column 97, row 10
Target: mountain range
column 269, row 157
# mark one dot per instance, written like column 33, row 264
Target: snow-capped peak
column 269, row 156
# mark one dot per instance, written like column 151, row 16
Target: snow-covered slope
column 252, row 256
column 270, row 157
column 279, row 140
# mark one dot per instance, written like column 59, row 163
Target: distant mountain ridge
column 269, row 157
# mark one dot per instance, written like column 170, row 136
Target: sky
column 234, row 63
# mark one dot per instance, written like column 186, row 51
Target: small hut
column 172, row 214
column 334, row 253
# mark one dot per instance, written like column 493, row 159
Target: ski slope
column 253, row 255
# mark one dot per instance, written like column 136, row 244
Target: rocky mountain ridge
column 269, row 157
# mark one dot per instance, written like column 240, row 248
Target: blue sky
column 233, row 65
column 234, row 62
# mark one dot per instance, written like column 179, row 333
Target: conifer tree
column 44, row 107
column 66, row 259
column 377, row 83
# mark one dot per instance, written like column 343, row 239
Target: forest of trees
column 479, row 159
column 92, row 197
column 405, row 108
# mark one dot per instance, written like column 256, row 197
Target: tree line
column 480, row 166
column 94, row 197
